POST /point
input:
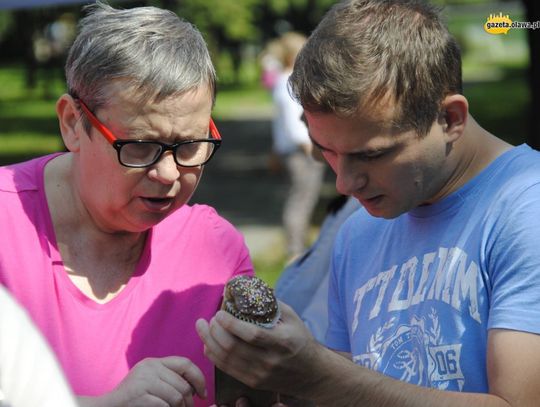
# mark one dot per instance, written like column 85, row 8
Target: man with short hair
column 435, row 283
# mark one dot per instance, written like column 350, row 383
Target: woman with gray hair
column 104, row 253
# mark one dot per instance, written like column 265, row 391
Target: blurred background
column 501, row 75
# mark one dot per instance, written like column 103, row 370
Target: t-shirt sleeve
column 231, row 244
column 513, row 258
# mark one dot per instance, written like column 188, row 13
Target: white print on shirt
column 414, row 353
column 455, row 281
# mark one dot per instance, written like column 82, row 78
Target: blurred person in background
column 50, row 47
column 271, row 60
column 292, row 145
column 303, row 284
column 435, row 282
column 100, row 245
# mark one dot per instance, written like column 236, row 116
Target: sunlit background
column 500, row 74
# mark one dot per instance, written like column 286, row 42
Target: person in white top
column 30, row 376
column 292, row 145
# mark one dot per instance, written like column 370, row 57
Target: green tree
column 230, row 27
column 6, row 22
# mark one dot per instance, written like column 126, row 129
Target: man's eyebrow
column 363, row 153
column 315, row 143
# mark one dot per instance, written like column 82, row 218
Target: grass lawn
column 269, row 270
column 244, row 103
column 28, row 124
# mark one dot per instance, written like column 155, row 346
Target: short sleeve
column 513, row 259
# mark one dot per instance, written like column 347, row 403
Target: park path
column 238, row 183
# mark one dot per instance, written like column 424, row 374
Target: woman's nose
column 165, row 170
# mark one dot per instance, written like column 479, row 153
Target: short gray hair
column 154, row 51
column 367, row 52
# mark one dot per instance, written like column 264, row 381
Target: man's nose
column 350, row 176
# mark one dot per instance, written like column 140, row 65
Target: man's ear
column 69, row 117
column 455, row 112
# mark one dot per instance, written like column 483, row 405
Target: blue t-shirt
column 413, row 297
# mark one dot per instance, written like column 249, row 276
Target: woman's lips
column 156, row 204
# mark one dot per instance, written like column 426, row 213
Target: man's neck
column 472, row 153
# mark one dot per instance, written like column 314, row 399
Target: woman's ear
column 455, row 113
column 69, row 117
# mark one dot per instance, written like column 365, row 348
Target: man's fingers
column 213, row 337
column 286, row 311
column 246, row 331
column 212, row 348
column 227, row 340
column 242, row 360
column 201, row 325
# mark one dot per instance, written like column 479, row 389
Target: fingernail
column 216, row 318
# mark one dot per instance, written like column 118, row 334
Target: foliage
column 30, row 126
column 243, row 102
column 6, row 23
column 269, row 270
column 303, row 15
column 244, row 20
column 230, row 20
column 467, row 2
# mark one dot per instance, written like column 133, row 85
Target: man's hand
column 278, row 359
column 160, row 382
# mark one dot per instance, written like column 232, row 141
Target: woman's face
column 122, row 199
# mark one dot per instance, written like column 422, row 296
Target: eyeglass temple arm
column 214, row 131
column 97, row 124
column 111, row 137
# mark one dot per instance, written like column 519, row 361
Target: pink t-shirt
column 180, row 277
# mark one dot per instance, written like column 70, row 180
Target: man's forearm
column 337, row 382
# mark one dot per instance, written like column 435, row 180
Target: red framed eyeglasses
column 145, row 153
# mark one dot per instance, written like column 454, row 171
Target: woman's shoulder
column 24, row 176
column 200, row 218
column 201, row 228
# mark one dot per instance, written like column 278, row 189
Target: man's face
column 389, row 172
column 117, row 198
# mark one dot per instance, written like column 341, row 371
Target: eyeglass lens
column 190, row 154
